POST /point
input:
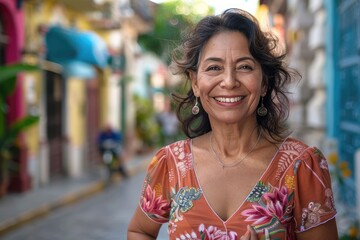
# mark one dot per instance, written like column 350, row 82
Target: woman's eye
column 213, row 68
column 245, row 67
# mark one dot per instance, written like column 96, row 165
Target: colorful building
column 11, row 44
column 342, row 70
column 81, row 47
column 323, row 44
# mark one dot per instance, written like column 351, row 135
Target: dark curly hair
column 262, row 46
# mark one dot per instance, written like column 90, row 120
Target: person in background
column 239, row 174
column 109, row 139
column 169, row 125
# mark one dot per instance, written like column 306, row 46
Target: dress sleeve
column 313, row 197
column 155, row 195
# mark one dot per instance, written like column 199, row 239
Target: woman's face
column 229, row 79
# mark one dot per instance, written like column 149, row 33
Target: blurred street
column 103, row 216
column 72, row 71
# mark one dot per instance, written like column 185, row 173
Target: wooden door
column 54, row 90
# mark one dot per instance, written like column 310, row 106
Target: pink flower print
column 213, row 233
column 311, row 215
column 171, row 175
column 277, row 202
column 184, row 160
column 314, row 213
column 273, row 205
column 178, row 150
column 258, row 214
column 323, row 164
column 329, row 202
column 155, row 206
column 184, row 166
column 188, row 236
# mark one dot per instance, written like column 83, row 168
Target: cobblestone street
column 104, row 216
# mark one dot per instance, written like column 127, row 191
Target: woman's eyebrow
column 240, row 59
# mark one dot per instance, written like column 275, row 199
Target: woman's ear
column 194, row 85
column 264, row 91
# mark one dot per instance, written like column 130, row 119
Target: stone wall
column 307, row 55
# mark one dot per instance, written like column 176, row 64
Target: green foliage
column 7, row 143
column 171, row 19
column 8, row 134
column 147, row 128
column 8, row 76
column 7, row 139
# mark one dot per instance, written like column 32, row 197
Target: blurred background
column 69, row 68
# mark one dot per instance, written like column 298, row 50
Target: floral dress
column 293, row 195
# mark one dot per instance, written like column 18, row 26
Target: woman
column 239, row 175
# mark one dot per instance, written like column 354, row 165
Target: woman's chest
column 225, row 201
column 268, row 209
column 225, row 190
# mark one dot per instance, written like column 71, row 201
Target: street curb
column 45, row 209
column 26, row 217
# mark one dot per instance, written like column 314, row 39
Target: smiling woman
column 238, row 175
column 225, row 64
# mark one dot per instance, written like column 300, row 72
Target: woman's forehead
column 225, row 43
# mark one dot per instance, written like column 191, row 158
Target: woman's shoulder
column 181, row 142
column 168, row 155
column 299, row 149
column 174, row 145
column 294, row 145
column 183, row 145
column 175, row 150
column 292, row 153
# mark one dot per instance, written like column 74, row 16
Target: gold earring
column 195, row 109
column 262, row 110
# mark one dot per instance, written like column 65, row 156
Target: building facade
column 323, row 45
column 81, row 48
column 11, row 44
column 343, row 90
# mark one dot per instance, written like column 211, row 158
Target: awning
column 65, row 44
column 78, row 69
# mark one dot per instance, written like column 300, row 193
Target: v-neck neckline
column 247, row 196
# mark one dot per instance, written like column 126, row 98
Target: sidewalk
column 19, row 209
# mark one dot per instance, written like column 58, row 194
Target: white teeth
column 229, row 100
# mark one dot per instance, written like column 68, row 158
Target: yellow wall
column 32, row 88
column 103, row 96
column 76, row 111
column 53, row 12
column 37, row 16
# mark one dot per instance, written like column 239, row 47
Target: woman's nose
column 229, row 80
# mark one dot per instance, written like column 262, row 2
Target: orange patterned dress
column 293, row 195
